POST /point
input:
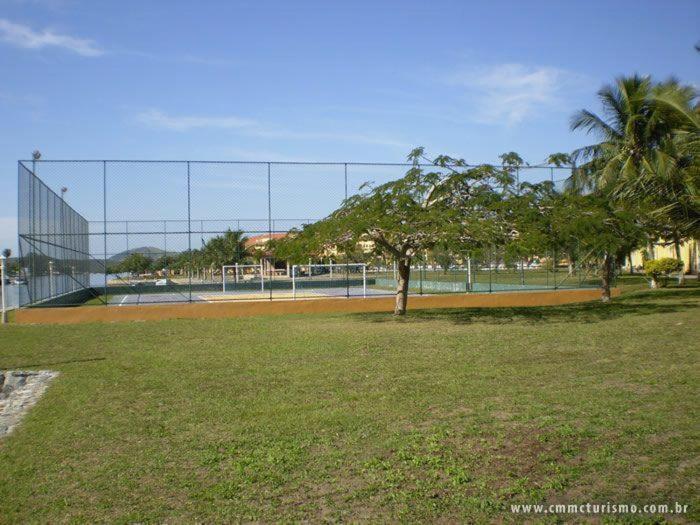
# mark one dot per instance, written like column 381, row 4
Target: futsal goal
column 327, row 278
column 242, row 277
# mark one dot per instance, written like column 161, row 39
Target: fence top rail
column 295, row 162
column 161, row 221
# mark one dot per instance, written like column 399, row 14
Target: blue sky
column 326, row 81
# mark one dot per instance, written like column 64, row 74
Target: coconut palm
column 629, row 129
column 228, row 248
column 647, row 156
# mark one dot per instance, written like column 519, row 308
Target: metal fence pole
column 347, row 257
column 269, row 219
column 189, row 231
column 104, row 221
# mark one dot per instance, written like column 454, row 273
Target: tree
column 648, row 155
column 443, row 257
column 221, row 250
column 135, row 264
column 659, row 270
column 560, row 159
column 164, row 262
column 7, row 252
column 603, row 229
column 448, row 205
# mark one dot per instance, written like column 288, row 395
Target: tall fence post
column 104, row 222
column 269, row 227
column 189, row 230
column 347, row 256
column 294, row 282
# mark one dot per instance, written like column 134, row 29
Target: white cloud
column 25, row 37
column 159, row 119
column 510, row 93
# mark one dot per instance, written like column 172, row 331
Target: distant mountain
column 149, row 251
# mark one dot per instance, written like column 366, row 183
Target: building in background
column 690, row 255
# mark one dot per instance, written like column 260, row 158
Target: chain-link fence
column 133, row 232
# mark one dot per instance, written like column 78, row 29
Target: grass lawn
column 449, row 415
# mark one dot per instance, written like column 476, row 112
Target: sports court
column 205, row 232
column 242, row 295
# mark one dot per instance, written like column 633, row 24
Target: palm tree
column 647, row 156
column 221, row 250
column 629, row 129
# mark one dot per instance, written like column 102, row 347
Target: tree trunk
column 403, row 277
column 606, row 277
column 681, row 274
column 629, row 258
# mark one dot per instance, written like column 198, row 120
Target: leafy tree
column 228, row 248
column 659, row 270
column 443, row 257
column 135, row 264
column 7, row 252
column 163, row 262
column 648, row 154
column 603, row 229
column 451, row 205
column 560, row 159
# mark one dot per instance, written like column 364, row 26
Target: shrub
column 660, row 269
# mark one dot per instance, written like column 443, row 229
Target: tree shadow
column 638, row 303
column 49, row 363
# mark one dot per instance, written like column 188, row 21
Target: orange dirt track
column 153, row 312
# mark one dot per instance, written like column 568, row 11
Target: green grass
column 449, row 415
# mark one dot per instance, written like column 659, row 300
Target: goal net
column 325, row 277
column 242, row 277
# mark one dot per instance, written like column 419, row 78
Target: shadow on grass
column 49, row 363
column 637, row 303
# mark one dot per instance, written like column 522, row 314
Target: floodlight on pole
column 63, row 192
column 36, row 155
